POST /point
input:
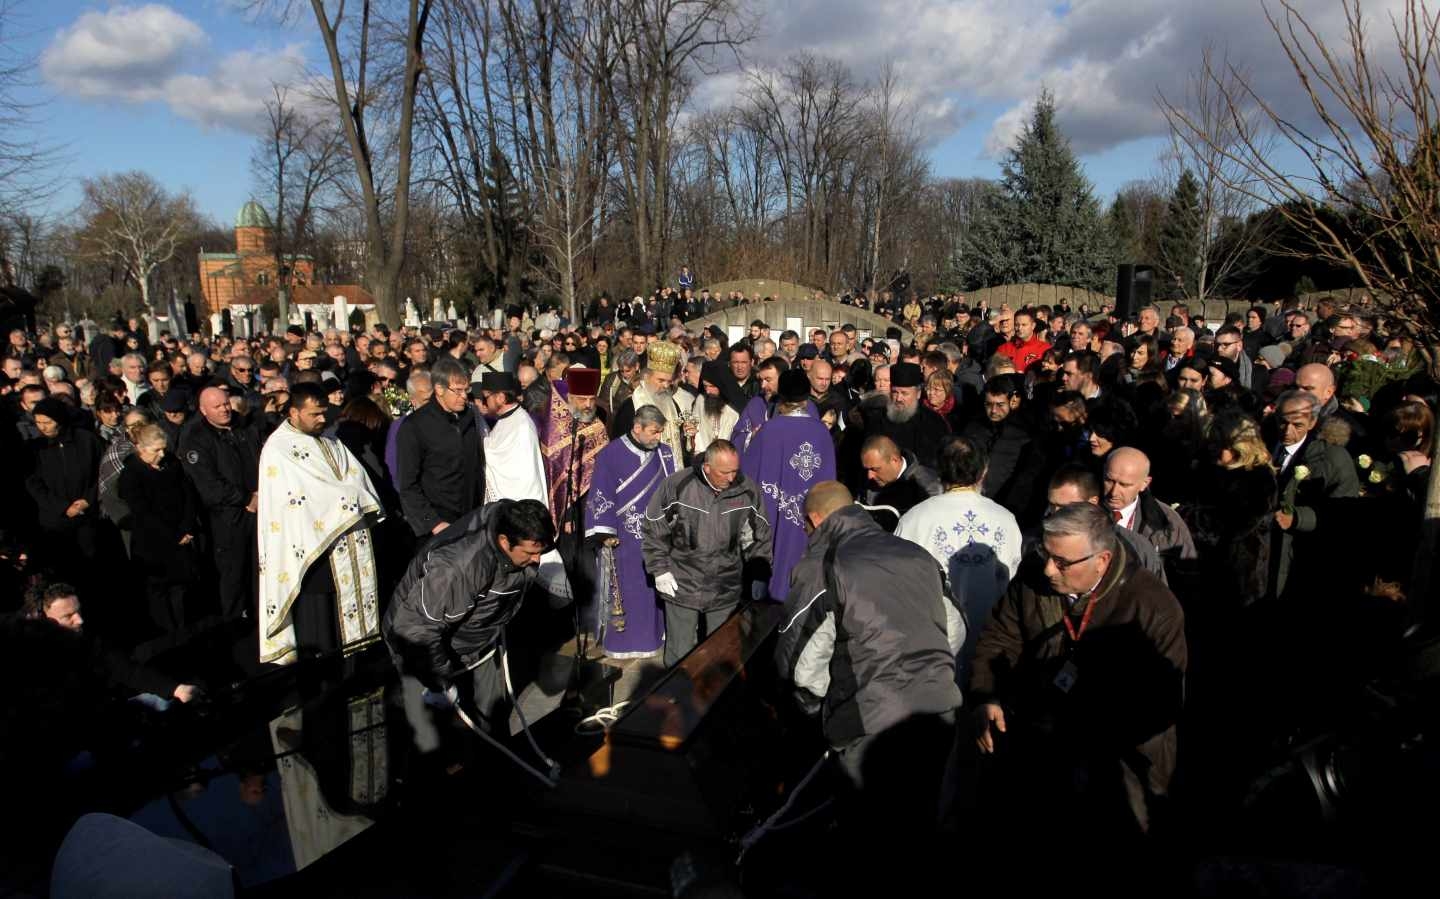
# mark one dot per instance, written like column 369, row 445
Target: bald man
column 220, row 451
column 1130, row 503
column 892, row 675
column 1318, row 380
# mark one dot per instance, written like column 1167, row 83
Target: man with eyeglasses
column 440, row 456
column 240, row 378
column 1230, row 344
column 1077, row 684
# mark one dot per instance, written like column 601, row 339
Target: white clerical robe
column 315, row 500
column 708, row 430
column 515, row 469
column 977, row 541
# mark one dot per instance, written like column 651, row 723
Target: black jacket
column 440, row 459
column 1009, row 477
column 452, row 605
column 65, row 469
column 163, row 508
column 921, row 435
column 881, row 650
column 915, row 485
column 224, row 466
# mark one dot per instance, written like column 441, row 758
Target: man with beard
column 1007, row 444
column 574, row 437
column 716, row 410
column 904, row 420
column 792, row 451
column 627, row 473
column 318, row 586
column 761, row 407
column 655, row 389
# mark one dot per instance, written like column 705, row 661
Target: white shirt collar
column 1127, row 514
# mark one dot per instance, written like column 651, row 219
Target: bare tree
column 896, row 170
column 296, row 159
column 1368, row 197
column 658, row 46
column 26, row 163
column 1229, row 231
column 375, row 70
column 130, row 221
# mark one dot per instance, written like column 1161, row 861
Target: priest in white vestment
column 514, row 465
column 318, row 590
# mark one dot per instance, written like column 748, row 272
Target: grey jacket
column 706, row 539
column 881, row 647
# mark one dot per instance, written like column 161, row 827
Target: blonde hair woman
column 1230, row 519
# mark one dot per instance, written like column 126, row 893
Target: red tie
column 1117, row 515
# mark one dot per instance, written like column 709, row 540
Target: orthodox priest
column 627, row 473
column 792, row 451
column 573, row 436
column 655, row 389
column 514, row 466
column 760, row 407
column 318, row 590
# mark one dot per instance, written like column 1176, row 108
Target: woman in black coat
column 164, row 519
column 64, row 484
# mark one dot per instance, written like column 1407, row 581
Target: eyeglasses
column 1227, row 344
column 1063, row 565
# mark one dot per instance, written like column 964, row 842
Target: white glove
column 445, row 700
column 666, row 584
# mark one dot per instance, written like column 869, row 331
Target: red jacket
column 1024, row 354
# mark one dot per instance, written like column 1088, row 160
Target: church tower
column 252, row 230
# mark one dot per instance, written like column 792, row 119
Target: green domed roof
column 252, row 215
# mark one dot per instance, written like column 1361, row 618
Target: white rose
column 1301, row 472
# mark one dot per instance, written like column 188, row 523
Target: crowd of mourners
column 1065, row 551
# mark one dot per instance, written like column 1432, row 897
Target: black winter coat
column 65, row 469
column 163, row 508
column 440, row 460
column 224, row 466
column 452, row 605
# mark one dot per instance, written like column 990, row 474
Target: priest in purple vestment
column 791, row 451
column 627, row 472
column 761, row 406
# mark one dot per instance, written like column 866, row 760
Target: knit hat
column 1273, row 356
column 1229, row 367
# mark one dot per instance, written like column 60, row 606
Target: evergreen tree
column 1180, row 244
column 1058, row 233
column 1124, row 231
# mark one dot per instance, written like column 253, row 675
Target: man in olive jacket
column 705, row 534
column 1078, row 682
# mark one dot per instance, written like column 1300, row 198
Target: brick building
column 247, row 278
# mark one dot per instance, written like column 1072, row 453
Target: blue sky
column 171, row 88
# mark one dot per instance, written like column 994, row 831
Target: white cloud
column 124, row 52
column 143, row 54
column 1105, row 60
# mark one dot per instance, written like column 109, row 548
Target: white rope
column 601, row 720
